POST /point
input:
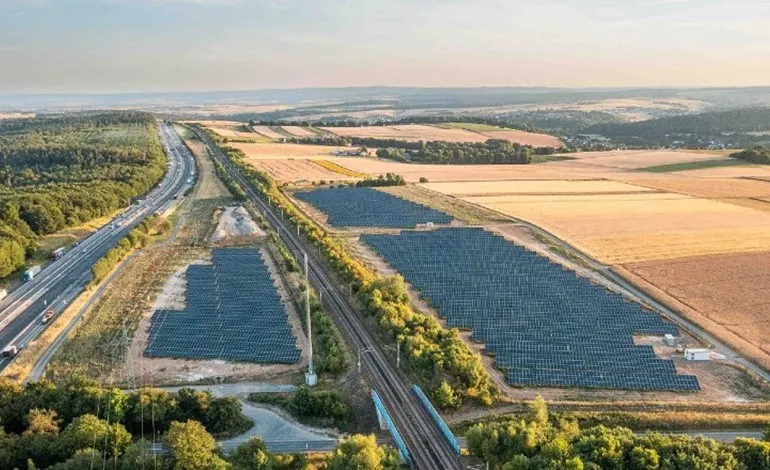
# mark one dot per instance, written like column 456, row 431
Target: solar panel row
column 233, row 313
column 366, row 207
column 545, row 325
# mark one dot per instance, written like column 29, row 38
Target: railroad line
column 427, row 447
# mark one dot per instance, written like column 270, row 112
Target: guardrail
column 448, row 434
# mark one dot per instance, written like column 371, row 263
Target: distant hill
column 733, row 127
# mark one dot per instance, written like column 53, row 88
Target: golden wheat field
column 727, row 293
column 409, row 132
column 230, row 129
column 274, row 151
column 741, row 171
column 712, row 188
column 617, row 229
column 525, row 138
column 267, row 132
column 298, row 131
column 288, row 171
column 635, row 159
column 524, row 187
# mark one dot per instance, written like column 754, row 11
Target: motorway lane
column 61, row 281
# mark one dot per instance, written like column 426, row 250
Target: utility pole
column 310, row 377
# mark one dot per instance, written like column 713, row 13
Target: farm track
column 426, row 445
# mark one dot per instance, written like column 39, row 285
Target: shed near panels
column 697, row 354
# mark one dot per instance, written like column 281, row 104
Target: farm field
column 639, row 227
column 287, row 171
column 267, row 132
column 711, row 188
column 450, row 132
column 298, row 131
column 274, row 151
column 638, row 159
column 409, row 132
column 229, row 129
column 727, row 294
column 525, row 187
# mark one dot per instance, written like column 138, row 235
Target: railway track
column 427, row 447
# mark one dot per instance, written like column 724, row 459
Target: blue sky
column 188, row 45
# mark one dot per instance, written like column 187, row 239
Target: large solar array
column 233, row 313
column 545, row 325
column 366, row 207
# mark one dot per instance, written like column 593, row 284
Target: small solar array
column 366, row 207
column 233, row 313
column 545, row 325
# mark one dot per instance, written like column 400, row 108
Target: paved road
column 64, row 279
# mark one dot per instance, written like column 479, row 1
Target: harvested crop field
column 409, row 132
column 269, row 151
column 230, row 129
column 630, row 228
column 727, row 294
column 712, row 188
column 525, row 138
column 743, row 171
column 267, row 132
column 524, row 187
column 636, row 159
column 298, row 131
column 413, row 172
column 288, row 171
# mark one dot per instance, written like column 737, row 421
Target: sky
column 102, row 46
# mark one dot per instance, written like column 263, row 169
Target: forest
column 758, row 154
column 62, row 171
column 492, row 151
column 81, row 425
column 736, row 128
column 536, row 441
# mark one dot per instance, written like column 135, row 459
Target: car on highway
column 10, row 351
column 47, row 316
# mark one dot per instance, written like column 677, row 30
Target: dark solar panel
column 233, row 313
column 545, row 325
column 366, row 207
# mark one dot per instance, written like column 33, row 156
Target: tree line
column 733, row 127
column 62, row 171
column 456, row 153
column 82, row 425
column 537, row 442
column 758, row 154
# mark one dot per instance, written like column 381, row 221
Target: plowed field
column 727, row 294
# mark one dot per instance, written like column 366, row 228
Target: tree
column 84, row 458
column 361, row 452
column 643, row 459
column 192, row 447
column 140, row 456
column 42, row 422
column 88, row 431
column 445, row 396
column 224, row 416
column 252, row 455
column 193, row 404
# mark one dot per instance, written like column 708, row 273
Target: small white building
column 670, row 340
column 697, row 354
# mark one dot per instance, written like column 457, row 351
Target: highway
column 64, row 279
column 427, row 447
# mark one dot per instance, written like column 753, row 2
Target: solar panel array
column 545, row 325
column 366, row 207
column 233, row 313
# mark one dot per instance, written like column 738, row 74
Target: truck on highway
column 57, row 253
column 30, row 273
column 10, row 351
column 3, row 294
